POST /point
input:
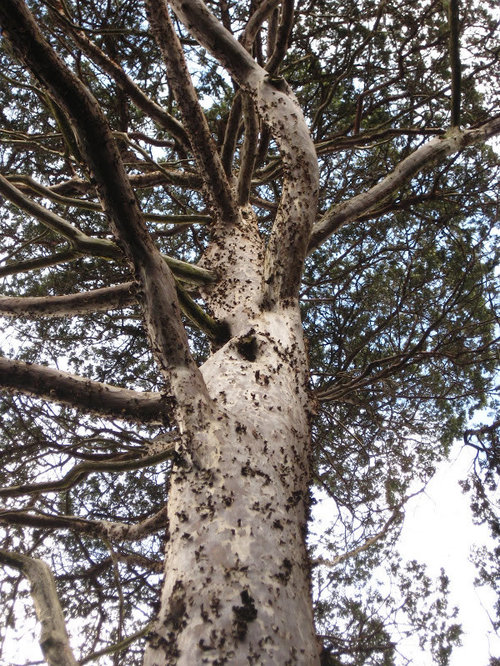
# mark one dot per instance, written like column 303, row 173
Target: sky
column 439, row 531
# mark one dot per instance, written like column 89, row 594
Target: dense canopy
column 395, row 280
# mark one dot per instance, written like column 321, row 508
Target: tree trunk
column 237, row 587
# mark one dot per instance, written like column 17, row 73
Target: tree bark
column 236, row 586
column 53, row 636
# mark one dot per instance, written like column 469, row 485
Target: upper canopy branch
column 83, row 244
column 437, row 149
column 116, row 72
column 279, row 109
column 216, row 182
column 29, row 184
column 80, row 241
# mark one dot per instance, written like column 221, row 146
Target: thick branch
column 435, row 150
column 279, row 109
column 54, row 639
column 248, row 150
column 180, row 81
column 283, row 37
column 231, row 133
column 132, row 90
column 98, row 146
column 99, row 528
column 107, row 298
column 264, row 9
column 96, row 397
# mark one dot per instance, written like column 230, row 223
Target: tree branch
column 248, row 150
column 96, row 142
column 435, row 150
column 80, row 472
column 204, row 147
column 320, row 561
column 30, row 184
column 254, row 24
column 54, row 639
column 117, row 647
column 64, row 388
column 131, row 89
column 279, row 109
column 103, row 529
column 95, row 246
column 456, row 69
column 107, row 298
column 40, row 262
column 283, row 36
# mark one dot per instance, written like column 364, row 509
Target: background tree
column 248, row 262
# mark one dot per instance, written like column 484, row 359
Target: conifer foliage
column 247, row 273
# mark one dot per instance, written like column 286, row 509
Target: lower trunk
column 236, row 586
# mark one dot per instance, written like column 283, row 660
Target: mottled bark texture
column 237, row 582
column 236, row 588
column 53, row 636
column 236, row 585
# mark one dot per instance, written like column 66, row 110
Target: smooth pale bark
column 435, row 150
column 278, row 107
column 236, row 584
column 53, row 637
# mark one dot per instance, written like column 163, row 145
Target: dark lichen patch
column 177, row 607
column 205, row 616
column 246, row 470
column 294, row 499
column 204, row 647
column 243, row 615
column 169, row 646
column 285, row 571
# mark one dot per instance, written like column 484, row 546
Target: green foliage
column 398, row 306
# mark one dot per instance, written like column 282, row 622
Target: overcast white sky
column 439, row 531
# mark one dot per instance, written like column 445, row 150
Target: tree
column 249, row 258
